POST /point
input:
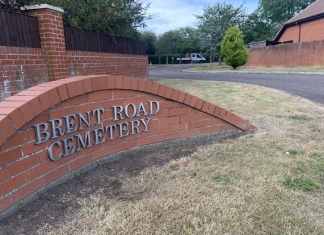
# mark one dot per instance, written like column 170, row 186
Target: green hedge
column 155, row 59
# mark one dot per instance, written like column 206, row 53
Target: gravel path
column 309, row 86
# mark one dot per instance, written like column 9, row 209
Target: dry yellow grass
column 269, row 182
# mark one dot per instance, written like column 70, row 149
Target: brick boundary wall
column 91, row 63
column 21, row 68
column 288, row 55
column 25, row 167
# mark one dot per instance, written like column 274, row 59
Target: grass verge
column 271, row 182
column 224, row 68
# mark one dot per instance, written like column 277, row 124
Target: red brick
column 193, row 101
column 63, row 94
column 168, row 92
column 2, row 137
column 216, row 122
column 156, row 130
column 100, row 95
column 122, row 93
column 95, row 84
column 103, row 80
column 3, row 174
column 111, row 82
column 106, row 105
column 23, row 164
column 11, row 184
column 55, row 174
column 205, row 106
column 222, row 114
column 211, row 109
column 226, row 127
column 155, row 88
column 175, row 95
column 78, row 100
column 179, row 127
column 148, row 86
column 119, row 82
column 27, row 190
column 169, row 136
column 55, row 99
column 71, row 89
column 45, row 101
column 199, row 104
column 5, row 203
column 136, row 100
column 7, row 126
column 62, row 112
column 126, row 145
column 135, row 82
column 210, row 129
column 20, row 138
column 128, row 82
column 228, row 116
column 141, row 85
column 217, row 111
column 169, row 120
column 181, row 96
column 197, row 124
column 40, row 169
column 87, row 85
column 27, row 112
column 188, row 99
column 17, row 118
column 36, row 106
column 148, row 140
column 190, row 117
column 80, row 161
column 187, row 133
column 103, row 152
column 162, row 90
column 179, row 111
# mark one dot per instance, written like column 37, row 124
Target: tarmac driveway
column 308, row 86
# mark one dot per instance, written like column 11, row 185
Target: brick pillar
column 50, row 23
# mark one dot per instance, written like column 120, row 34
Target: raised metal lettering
column 50, row 151
column 157, row 107
column 40, row 138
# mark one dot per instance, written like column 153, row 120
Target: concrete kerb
column 113, row 157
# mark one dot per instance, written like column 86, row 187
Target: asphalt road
column 308, row 86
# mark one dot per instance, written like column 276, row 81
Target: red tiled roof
column 314, row 9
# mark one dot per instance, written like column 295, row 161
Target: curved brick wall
column 82, row 119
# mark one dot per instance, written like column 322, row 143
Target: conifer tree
column 233, row 49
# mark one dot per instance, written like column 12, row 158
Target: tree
column 115, row 17
column 149, row 38
column 15, row 6
column 190, row 39
column 233, row 49
column 213, row 23
column 169, row 42
column 279, row 11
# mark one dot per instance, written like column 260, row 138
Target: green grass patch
column 300, row 118
column 301, row 183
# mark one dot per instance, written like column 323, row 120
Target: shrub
column 233, row 49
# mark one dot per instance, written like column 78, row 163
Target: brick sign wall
column 56, row 128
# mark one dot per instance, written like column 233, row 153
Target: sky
column 174, row 14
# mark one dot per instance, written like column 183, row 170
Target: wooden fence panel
column 18, row 30
column 77, row 39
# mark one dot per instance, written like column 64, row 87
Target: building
column 308, row 25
